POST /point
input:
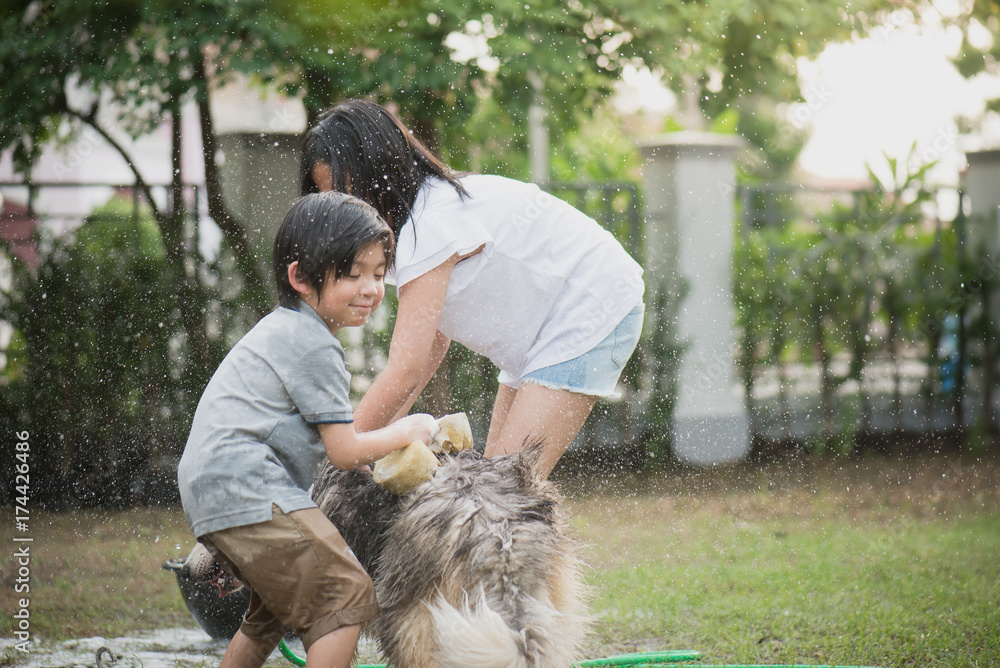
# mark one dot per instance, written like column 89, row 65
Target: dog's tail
column 477, row 635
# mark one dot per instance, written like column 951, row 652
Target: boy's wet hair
column 324, row 232
column 373, row 156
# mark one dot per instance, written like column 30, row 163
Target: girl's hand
column 419, row 427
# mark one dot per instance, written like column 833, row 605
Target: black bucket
column 219, row 617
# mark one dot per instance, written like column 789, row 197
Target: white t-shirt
column 549, row 284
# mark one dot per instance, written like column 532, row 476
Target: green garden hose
column 637, row 659
column 287, row 652
column 634, row 660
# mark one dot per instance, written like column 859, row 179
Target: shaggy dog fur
column 473, row 568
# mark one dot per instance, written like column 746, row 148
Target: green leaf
column 726, row 122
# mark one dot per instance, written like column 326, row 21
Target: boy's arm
column 347, row 449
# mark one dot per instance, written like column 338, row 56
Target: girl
column 498, row 265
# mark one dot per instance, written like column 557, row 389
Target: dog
column 475, row 567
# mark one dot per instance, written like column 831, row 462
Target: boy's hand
column 419, row 427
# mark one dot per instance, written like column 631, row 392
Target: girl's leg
column 534, row 412
column 501, row 407
column 335, row 649
column 247, row 652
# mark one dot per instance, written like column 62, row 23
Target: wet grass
column 98, row 573
column 874, row 561
column 871, row 562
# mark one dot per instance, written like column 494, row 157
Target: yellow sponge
column 454, row 433
column 404, row 470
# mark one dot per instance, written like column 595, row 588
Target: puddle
column 166, row 648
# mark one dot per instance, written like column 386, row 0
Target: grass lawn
column 869, row 562
column 872, row 561
column 98, row 572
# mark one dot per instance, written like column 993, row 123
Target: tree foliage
column 442, row 62
column 980, row 51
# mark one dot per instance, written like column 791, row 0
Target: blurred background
column 810, row 188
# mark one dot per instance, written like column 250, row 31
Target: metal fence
column 863, row 314
column 467, row 382
column 615, row 433
column 854, row 320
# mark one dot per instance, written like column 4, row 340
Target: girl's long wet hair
column 324, row 232
column 372, row 156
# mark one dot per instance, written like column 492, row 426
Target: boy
column 276, row 405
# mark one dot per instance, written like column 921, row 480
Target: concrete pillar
column 690, row 185
column 538, row 131
column 983, row 239
column 260, row 181
column 538, row 144
column 981, row 181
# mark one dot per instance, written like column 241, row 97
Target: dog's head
column 363, row 510
column 510, row 479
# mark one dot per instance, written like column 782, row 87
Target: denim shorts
column 596, row 372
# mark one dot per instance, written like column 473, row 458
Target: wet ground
column 167, row 648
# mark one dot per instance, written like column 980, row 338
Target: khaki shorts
column 302, row 576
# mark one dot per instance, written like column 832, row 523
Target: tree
column 64, row 66
column 980, row 52
column 144, row 61
column 456, row 65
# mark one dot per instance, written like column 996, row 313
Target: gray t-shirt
column 254, row 439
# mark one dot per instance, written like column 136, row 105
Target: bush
column 89, row 372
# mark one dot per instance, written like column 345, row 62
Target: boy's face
column 349, row 301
